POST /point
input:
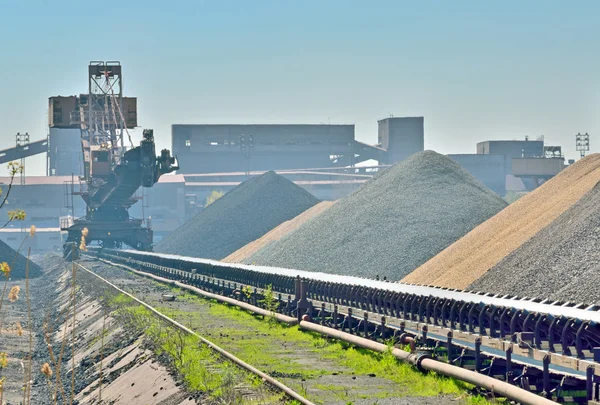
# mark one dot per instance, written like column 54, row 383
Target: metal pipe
column 211, row 345
column 496, row 386
column 491, row 384
column 405, row 338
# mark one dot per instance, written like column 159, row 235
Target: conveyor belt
column 557, row 309
column 20, row 152
column 551, row 348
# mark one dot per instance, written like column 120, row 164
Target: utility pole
column 22, row 140
column 247, row 148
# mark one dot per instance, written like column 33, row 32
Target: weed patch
column 201, row 369
column 267, row 345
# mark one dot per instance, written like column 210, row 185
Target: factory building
column 45, row 240
column 529, row 162
column 488, row 169
column 44, row 199
column 64, row 152
column 320, row 158
column 401, row 137
column 239, row 148
column 512, row 149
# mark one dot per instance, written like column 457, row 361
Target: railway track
column 551, row 349
column 276, row 384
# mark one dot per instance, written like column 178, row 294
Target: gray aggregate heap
column 242, row 215
column 17, row 263
column 561, row 262
column 391, row 224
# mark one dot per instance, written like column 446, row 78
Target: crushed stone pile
column 561, row 262
column 391, row 224
column 467, row 260
column 17, row 263
column 277, row 233
column 242, row 215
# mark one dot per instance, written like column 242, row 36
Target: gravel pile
column 17, row 263
column 277, row 233
column 242, row 215
column 565, row 253
column 391, row 224
column 465, row 261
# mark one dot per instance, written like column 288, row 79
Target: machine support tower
column 113, row 169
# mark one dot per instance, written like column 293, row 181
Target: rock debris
column 242, row 215
column 391, row 224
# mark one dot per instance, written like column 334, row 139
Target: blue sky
column 475, row 70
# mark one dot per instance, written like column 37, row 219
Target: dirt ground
column 129, row 372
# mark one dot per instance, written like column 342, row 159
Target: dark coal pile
column 17, row 263
column 242, row 215
column 561, row 262
column 391, row 224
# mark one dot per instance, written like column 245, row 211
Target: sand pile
column 561, row 262
column 391, row 224
column 465, row 261
column 242, row 215
column 277, row 233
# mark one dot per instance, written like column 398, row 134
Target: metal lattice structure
column 247, row 149
column 100, row 112
column 113, row 172
column 582, row 143
column 22, row 140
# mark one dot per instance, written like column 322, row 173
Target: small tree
column 14, row 168
column 270, row 303
column 214, row 196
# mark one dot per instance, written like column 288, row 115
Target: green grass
column 200, row 367
column 263, row 350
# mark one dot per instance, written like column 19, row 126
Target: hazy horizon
column 476, row 71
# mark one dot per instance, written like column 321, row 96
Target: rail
column 267, row 378
column 549, row 348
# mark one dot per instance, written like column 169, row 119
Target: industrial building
column 64, row 152
column 207, row 148
column 512, row 149
column 239, row 148
column 45, row 240
column 320, row 158
column 401, row 137
column 488, row 169
column 526, row 162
